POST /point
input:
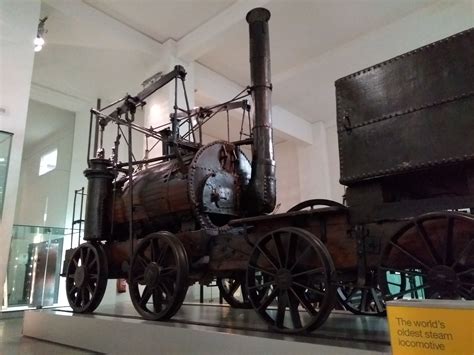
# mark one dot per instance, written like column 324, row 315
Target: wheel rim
column 234, row 292
column 86, row 278
column 434, row 253
column 289, row 280
column 158, row 276
column 311, row 204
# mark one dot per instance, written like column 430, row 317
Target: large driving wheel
column 234, row 292
column 296, row 292
column 86, row 278
column 158, row 276
column 435, row 254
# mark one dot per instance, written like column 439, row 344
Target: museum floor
column 13, row 343
column 202, row 329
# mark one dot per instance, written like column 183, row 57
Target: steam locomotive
column 204, row 211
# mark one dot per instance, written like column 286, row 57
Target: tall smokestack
column 262, row 187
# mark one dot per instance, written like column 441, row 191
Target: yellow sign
column 430, row 327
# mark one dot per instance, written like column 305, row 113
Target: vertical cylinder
column 262, row 187
column 99, row 200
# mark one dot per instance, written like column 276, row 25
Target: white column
column 18, row 26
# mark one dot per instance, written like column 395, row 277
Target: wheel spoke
column 312, row 271
column 166, row 290
column 294, row 312
column 73, row 290
column 168, row 271
column 261, row 270
column 469, row 271
column 351, row 294
column 429, row 245
column 304, row 302
column 300, row 257
column 78, row 300
column 268, row 300
column 407, row 253
column 245, row 293
column 268, row 257
column 282, row 302
column 89, row 289
column 377, row 301
column 464, row 254
column 142, row 260
column 468, row 284
column 157, row 300
column 279, row 249
column 363, row 306
column 86, row 258
column 266, row 284
column 163, row 253
column 147, row 292
column 291, row 250
column 465, row 293
column 319, row 292
column 81, row 255
column 448, row 253
column 139, row 278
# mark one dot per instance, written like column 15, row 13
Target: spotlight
column 39, row 40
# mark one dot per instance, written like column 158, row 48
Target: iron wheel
column 158, row 276
column 86, row 278
column 298, row 274
column 435, row 254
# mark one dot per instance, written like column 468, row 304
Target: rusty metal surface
column 408, row 113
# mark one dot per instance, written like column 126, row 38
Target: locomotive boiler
column 203, row 211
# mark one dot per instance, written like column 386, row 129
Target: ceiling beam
column 202, row 39
column 213, row 85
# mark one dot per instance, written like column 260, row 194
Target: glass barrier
column 5, row 145
column 34, row 266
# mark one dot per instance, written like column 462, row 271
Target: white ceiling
column 87, row 57
column 162, row 20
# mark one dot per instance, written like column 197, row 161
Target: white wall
column 42, row 200
column 18, row 25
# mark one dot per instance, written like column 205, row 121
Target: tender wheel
column 434, row 253
column 234, row 292
column 297, row 275
column 158, row 277
column 363, row 300
column 86, row 278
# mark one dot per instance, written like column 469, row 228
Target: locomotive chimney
column 262, row 188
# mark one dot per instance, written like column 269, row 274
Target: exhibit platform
column 202, row 329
